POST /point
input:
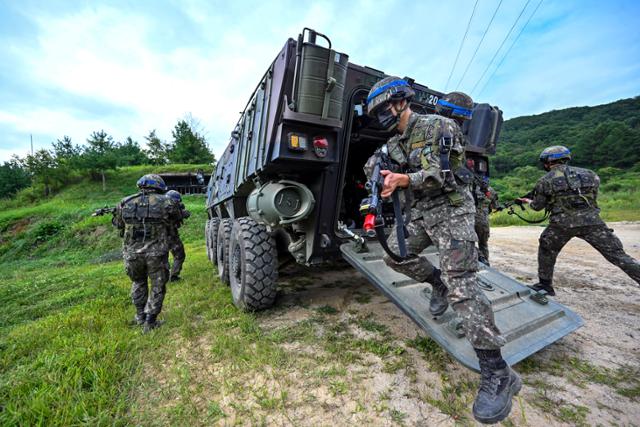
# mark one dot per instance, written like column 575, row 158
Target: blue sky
column 73, row 67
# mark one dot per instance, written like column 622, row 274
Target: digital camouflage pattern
column 176, row 247
column 486, row 200
column 570, row 193
column 601, row 237
column 144, row 220
column 442, row 214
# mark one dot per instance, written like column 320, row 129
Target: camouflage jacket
column 145, row 220
column 184, row 214
column 570, row 195
column 417, row 151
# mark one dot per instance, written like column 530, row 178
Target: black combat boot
column 151, row 323
column 498, row 384
column 175, row 278
column 544, row 285
column 438, row 303
column 139, row 318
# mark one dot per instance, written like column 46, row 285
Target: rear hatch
column 527, row 324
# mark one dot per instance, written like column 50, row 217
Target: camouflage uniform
column 569, row 194
column 176, row 247
column 144, row 220
column 485, row 199
column 442, row 214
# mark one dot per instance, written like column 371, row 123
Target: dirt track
column 561, row 380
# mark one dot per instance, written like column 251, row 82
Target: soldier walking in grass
column 176, row 247
column 570, row 195
column 144, row 220
column 430, row 148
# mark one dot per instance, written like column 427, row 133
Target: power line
column 461, row 44
column 478, row 47
column 509, row 50
column 501, row 44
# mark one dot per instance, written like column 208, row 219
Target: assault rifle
column 372, row 207
column 509, row 205
column 517, row 202
column 104, row 211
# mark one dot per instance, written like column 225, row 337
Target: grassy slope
column 67, row 355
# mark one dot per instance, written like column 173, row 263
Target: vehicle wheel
column 222, row 249
column 253, row 265
column 211, row 239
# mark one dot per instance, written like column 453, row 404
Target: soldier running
column 428, row 146
column 570, row 195
column 176, row 247
column 144, row 220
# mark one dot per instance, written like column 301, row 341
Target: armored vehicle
column 290, row 183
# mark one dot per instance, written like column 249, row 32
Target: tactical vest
column 573, row 190
column 145, row 218
column 436, row 143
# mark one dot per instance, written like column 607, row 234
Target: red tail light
column 320, row 146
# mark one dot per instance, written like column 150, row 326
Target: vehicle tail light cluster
column 299, row 142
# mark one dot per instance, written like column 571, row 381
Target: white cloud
column 111, row 54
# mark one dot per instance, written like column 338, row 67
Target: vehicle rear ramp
column 529, row 324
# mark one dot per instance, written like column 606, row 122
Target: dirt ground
column 398, row 377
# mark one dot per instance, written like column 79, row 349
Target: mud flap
column 526, row 323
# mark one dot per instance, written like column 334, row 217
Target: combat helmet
column 387, row 90
column 555, row 153
column 457, row 105
column 152, row 182
column 174, row 195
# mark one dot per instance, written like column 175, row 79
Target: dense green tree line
column 601, row 136
column 65, row 162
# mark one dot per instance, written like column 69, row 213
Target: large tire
column 211, row 239
column 253, row 260
column 222, row 249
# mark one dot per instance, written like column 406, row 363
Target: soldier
column 570, row 195
column 443, row 215
column 486, row 200
column 176, row 247
column 144, row 220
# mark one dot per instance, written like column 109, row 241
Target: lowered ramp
column 529, row 324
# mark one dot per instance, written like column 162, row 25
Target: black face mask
column 386, row 119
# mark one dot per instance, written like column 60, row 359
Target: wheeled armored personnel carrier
column 290, row 183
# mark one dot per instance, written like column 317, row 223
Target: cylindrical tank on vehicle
column 279, row 203
column 321, row 81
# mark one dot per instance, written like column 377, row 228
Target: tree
column 156, row 150
column 13, row 177
column 42, row 167
column 100, row 155
column 68, row 157
column 130, row 154
column 188, row 145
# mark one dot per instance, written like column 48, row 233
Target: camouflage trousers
column 455, row 239
column 177, row 250
column 156, row 268
column 601, row 237
column 482, row 230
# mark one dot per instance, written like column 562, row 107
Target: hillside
column 602, row 136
